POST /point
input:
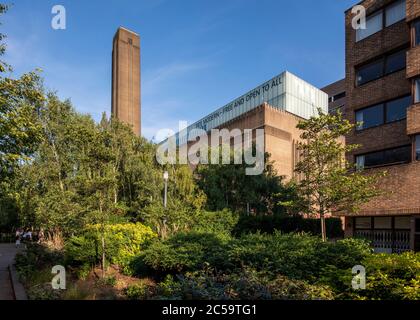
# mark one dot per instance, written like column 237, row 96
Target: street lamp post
column 165, row 179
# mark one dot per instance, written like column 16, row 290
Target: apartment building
column 382, row 88
column 336, row 96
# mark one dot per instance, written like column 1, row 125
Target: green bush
column 107, row 281
column 246, row 284
column 83, row 271
column 269, row 224
column 137, row 292
column 297, row 256
column 34, row 269
column 35, row 258
column 123, row 242
column 187, row 252
column 169, row 289
column 216, row 221
column 389, row 277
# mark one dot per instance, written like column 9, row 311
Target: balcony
column 413, row 119
column 413, row 10
column 413, row 62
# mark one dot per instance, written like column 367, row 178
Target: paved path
column 7, row 256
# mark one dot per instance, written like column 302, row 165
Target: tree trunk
column 103, row 255
column 323, row 228
column 102, row 238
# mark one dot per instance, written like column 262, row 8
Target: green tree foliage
column 286, row 224
column 20, row 100
column 3, row 65
column 123, row 243
column 228, row 186
column 328, row 181
column 83, row 172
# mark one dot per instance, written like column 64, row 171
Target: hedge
column 268, row 224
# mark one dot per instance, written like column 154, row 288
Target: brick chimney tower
column 126, row 102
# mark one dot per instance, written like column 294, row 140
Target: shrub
column 269, row 224
column 137, row 292
column 216, row 221
column 246, row 284
column 107, row 281
column 187, row 252
column 123, row 242
column 35, row 258
column 83, row 271
column 297, row 256
column 169, row 289
column 390, row 277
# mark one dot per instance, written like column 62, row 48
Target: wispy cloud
column 152, row 81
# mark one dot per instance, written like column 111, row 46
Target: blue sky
column 197, row 55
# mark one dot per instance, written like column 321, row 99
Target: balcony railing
column 389, row 241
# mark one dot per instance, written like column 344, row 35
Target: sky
column 196, row 55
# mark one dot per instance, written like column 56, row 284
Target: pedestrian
column 18, row 237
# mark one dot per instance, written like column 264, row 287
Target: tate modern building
column 276, row 106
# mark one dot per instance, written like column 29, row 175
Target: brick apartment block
column 382, row 65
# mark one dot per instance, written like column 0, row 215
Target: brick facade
column 401, row 186
column 280, row 135
column 126, row 104
column 413, row 10
column 413, row 62
column 413, row 120
column 332, row 90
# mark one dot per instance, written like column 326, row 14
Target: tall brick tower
column 126, row 104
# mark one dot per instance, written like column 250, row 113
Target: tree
column 328, row 181
column 228, row 186
column 20, row 101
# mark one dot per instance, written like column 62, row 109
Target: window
column 382, row 223
column 416, row 27
column 379, row 114
column 337, row 97
column 373, row 24
column 384, row 157
column 370, row 72
column 381, row 67
column 395, row 12
column 417, row 90
column 397, row 109
column 395, row 62
column 370, row 117
column 363, row 223
column 402, row 223
column 418, row 147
